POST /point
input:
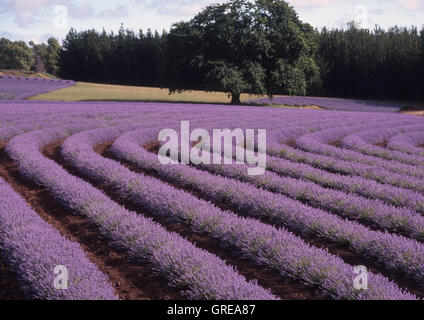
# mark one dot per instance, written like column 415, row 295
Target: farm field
column 334, row 103
column 82, row 187
column 18, row 88
column 83, row 91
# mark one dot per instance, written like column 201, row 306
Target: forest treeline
column 374, row 63
column 229, row 48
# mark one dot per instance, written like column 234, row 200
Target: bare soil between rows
column 9, row 285
column 130, row 281
column 381, row 144
column 337, row 143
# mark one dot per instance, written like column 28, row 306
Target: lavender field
column 333, row 104
column 81, row 187
column 18, row 88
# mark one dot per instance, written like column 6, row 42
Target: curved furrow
column 350, row 201
column 283, row 287
column 366, row 143
column 411, row 143
column 310, row 190
column 130, row 281
column 382, row 247
column 348, row 168
column 198, row 273
column 261, row 243
column 320, row 143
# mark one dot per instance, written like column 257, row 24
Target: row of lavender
column 323, row 195
column 333, row 104
column 19, row 88
column 34, row 249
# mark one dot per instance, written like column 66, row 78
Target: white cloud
column 177, row 8
column 118, row 12
column 411, row 5
column 83, row 11
column 189, row 10
column 313, row 3
column 26, row 12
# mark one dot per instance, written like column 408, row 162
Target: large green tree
column 239, row 47
column 46, row 56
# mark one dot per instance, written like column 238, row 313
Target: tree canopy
column 382, row 64
column 241, row 46
column 37, row 57
column 15, row 55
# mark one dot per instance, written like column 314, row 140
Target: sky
column 37, row 20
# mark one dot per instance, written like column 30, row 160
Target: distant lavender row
column 396, row 196
column 363, row 186
column 366, row 142
column 347, row 167
column 319, row 143
column 388, row 249
column 395, row 219
column 18, row 88
column 378, row 214
column 261, row 243
column 43, row 115
column 32, row 248
column 408, row 143
column 198, row 273
column 333, row 104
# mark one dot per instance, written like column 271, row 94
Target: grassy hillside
column 101, row 92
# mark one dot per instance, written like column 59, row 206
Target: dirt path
column 9, row 285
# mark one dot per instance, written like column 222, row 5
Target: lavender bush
column 33, row 249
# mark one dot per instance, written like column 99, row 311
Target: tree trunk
column 235, row 98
